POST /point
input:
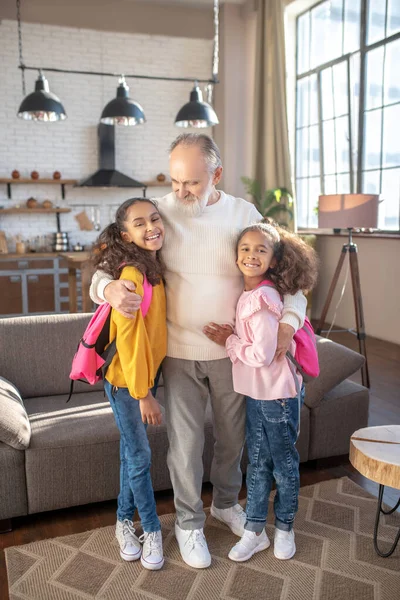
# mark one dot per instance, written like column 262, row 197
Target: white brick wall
column 71, row 146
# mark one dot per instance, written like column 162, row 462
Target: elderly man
column 202, row 285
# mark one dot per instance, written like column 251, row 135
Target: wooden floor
column 384, row 364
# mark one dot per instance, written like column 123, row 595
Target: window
column 348, row 105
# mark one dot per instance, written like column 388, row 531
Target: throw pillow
column 15, row 429
column 336, row 363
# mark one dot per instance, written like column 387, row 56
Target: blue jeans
column 136, row 489
column 271, row 434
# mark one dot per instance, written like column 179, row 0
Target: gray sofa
column 68, row 454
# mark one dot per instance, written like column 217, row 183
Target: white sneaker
column 130, row 547
column 284, row 546
column 249, row 545
column 152, row 551
column 193, row 547
column 234, row 517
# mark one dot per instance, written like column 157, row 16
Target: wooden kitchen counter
column 78, row 261
column 14, row 255
column 78, row 255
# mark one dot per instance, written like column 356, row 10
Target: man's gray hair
column 207, row 146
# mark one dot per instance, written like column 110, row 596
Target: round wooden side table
column 375, row 453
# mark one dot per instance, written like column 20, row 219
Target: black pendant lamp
column 42, row 105
column 122, row 110
column 196, row 113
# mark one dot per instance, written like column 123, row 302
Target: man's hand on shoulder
column 121, row 295
column 285, row 336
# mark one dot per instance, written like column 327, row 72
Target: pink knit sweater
column 252, row 348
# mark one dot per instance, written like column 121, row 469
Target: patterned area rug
column 335, row 560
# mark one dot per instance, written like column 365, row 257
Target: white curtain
column 271, row 158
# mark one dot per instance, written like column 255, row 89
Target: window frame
column 363, row 51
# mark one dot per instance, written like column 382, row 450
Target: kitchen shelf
column 17, row 211
column 20, row 211
column 43, row 180
column 157, row 183
column 63, row 182
column 28, row 181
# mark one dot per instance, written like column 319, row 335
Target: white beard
column 192, row 207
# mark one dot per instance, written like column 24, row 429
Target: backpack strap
column 267, row 283
column 147, row 292
column 71, row 389
column 291, row 363
column 147, row 296
column 294, row 362
column 108, row 355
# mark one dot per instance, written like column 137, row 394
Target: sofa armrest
column 336, row 364
column 15, row 428
column 342, row 411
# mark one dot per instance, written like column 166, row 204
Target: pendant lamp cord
column 215, row 62
column 216, row 41
column 21, row 61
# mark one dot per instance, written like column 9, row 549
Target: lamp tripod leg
column 335, row 279
column 358, row 308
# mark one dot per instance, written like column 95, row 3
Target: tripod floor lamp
column 349, row 211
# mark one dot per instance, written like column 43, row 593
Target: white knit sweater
column 203, row 283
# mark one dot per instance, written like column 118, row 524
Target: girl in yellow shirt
column 129, row 249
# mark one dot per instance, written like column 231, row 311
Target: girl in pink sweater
column 265, row 252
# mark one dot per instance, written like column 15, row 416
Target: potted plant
column 276, row 203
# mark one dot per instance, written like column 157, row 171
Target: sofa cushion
column 336, row 364
column 86, row 419
column 15, row 429
column 73, row 457
column 40, row 351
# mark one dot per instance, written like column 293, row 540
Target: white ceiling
column 192, row 2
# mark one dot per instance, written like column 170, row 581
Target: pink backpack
column 94, row 353
column 305, row 358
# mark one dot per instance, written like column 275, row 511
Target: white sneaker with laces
column 129, row 544
column 284, row 546
column 193, row 547
column 234, row 517
column 152, row 552
column 249, row 545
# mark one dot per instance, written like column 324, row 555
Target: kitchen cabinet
column 33, row 285
column 40, row 289
column 10, row 294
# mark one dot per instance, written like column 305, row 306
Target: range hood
column 107, row 175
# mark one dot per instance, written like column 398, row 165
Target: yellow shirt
column 141, row 342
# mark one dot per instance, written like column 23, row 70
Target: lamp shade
column 196, row 113
column 42, row 105
column 344, row 211
column 122, row 110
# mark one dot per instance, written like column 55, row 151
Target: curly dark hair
column 111, row 250
column 296, row 262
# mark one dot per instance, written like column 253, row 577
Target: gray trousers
column 188, row 385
